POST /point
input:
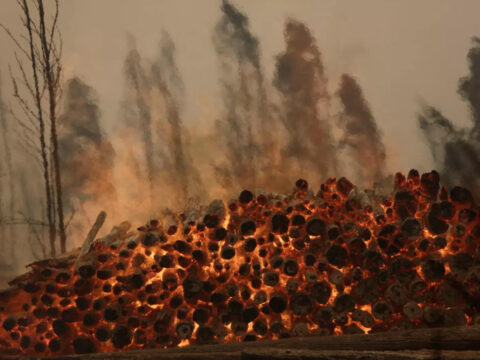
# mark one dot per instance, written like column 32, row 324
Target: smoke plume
column 360, row 133
column 87, row 155
column 138, row 114
column 178, row 163
column 456, row 151
column 469, row 88
column 153, row 109
column 246, row 124
column 302, row 83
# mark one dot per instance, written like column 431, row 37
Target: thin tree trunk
column 43, row 147
column 54, row 201
column 8, row 158
column 53, row 126
column 3, row 257
column 8, row 155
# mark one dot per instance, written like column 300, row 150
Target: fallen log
column 147, row 354
column 419, row 344
column 278, row 354
column 453, row 338
column 281, row 354
column 87, row 244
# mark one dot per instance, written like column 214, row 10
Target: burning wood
column 263, row 267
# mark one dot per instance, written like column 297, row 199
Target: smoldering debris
column 260, row 268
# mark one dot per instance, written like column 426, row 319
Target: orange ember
column 264, row 267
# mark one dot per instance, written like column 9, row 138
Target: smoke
column 360, row 133
column 302, row 83
column 35, row 234
column 139, row 115
column 87, row 155
column 244, row 153
column 469, row 88
column 178, row 164
column 153, row 109
column 462, row 164
column 246, row 124
column 454, row 152
column 150, row 161
column 438, row 130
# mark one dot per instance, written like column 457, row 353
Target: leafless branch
column 24, row 105
column 27, row 132
column 72, row 215
column 16, row 42
column 24, row 75
column 54, row 23
column 26, row 148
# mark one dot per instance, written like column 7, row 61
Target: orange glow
column 264, row 267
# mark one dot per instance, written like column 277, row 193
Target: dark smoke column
column 153, row 110
column 360, row 132
column 457, row 151
column 469, row 88
column 455, row 154
column 301, row 80
column 176, row 161
column 87, row 156
column 245, row 124
column 140, row 114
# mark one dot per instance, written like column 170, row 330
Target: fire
column 261, row 267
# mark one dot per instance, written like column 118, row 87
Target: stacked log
column 263, row 267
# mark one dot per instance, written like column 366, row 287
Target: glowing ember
column 267, row 266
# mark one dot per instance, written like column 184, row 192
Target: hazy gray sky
column 401, row 52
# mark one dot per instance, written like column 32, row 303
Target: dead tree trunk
column 52, row 85
column 8, row 160
column 2, row 227
column 41, row 122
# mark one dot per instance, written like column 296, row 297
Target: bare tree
column 52, row 70
column 37, row 91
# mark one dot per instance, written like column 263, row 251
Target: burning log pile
column 263, row 266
